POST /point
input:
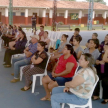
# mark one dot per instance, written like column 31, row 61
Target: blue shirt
column 32, row 49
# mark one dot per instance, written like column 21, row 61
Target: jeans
column 58, row 96
column 17, row 63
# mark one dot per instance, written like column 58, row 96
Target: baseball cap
column 35, row 36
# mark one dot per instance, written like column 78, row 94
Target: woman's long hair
column 89, row 57
column 23, row 34
column 70, row 47
column 66, row 36
column 96, row 42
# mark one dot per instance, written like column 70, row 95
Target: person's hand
column 66, row 89
column 27, row 48
column 101, row 62
column 12, row 48
column 53, row 74
column 56, row 75
column 33, row 58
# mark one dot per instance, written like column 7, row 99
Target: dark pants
column 105, row 88
column 34, row 26
column 6, row 40
column 97, row 89
column 8, row 55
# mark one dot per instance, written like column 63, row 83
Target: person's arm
column 105, row 57
column 78, row 80
column 27, row 53
column 97, row 62
column 48, row 41
column 37, row 61
column 69, row 67
column 27, row 48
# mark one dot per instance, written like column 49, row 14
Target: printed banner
column 74, row 16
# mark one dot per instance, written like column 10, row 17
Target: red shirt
column 62, row 66
column 41, row 33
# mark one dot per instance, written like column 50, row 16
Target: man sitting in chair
column 22, row 61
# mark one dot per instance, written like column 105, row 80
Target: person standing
column 33, row 22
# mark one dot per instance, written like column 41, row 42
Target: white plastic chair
column 101, row 90
column 89, row 104
column 77, row 68
column 21, row 72
column 40, row 75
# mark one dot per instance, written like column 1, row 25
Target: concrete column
column 50, row 17
column 6, row 16
column 79, row 17
column 43, row 16
column 65, row 17
column 104, row 17
column 26, row 16
column 93, row 17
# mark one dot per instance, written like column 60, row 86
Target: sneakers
column 15, row 80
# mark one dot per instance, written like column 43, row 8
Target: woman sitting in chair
column 59, row 51
column 18, row 48
column 12, row 43
column 102, row 71
column 62, row 72
column 78, row 90
column 46, row 39
column 77, row 47
column 39, row 61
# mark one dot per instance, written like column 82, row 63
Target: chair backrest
column 47, row 63
column 96, row 80
column 77, row 68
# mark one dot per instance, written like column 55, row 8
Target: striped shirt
column 32, row 49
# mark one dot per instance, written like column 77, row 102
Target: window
column 99, row 15
column 22, row 14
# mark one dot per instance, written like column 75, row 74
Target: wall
column 3, row 19
column 100, row 19
column 84, row 20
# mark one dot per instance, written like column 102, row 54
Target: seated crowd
column 63, row 84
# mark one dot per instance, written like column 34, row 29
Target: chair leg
column 33, row 85
column 41, row 80
column 90, row 103
column 21, row 74
column 63, row 104
column 72, row 106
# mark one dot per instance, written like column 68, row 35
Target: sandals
column 22, row 89
column 45, row 99
column 7, row 66
column 95, row 99
column 104, row 102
